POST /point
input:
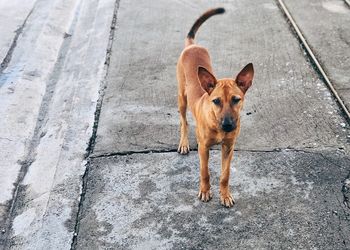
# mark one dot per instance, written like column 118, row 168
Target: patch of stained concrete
column 284, row 200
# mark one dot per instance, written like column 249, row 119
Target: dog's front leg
column 226, row 157
column 204, row 189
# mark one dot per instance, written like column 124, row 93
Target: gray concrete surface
column 291, row 160
column 23, row 85
column 49, row 93
column 325, row 25
column 289, row 105
column 61, row 188
column 284, row 200
column 13, row 19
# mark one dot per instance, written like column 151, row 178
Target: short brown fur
column 215, row 105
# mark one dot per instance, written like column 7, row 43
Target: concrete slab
column 23, row 85
column 288, row 105
column 329, row 37
column 284, row 200
column 43, row 207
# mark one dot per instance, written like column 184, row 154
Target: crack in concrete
column 268, row 150
column 92, row 140
column 5, row 62
column 340, row 221
column 345, row 187
column 103, row 86
column 136, row 152
column 80, row 206
column 4, row 138
column 346, row 191
column 160, row 151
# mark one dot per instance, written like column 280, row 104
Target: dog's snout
column 228, row 124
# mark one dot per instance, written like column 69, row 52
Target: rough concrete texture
column 23, row 86
column 329, row 37
column 288, row 105
column 284, row 200
column 291, row 170
column 13, row 20
column 59, row 121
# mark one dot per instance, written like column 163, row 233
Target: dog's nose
column 228, row 124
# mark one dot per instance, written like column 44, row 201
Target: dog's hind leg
column 184, row 147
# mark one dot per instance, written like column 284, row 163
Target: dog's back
column 191, row 58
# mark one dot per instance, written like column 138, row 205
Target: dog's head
column 226, row 96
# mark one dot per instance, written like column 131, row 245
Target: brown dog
column 215, row 105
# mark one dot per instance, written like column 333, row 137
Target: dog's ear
column 244, row 78
column 207, row 80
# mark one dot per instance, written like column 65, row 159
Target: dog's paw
column 227, row 200
column 184, row 148
column 205, row 196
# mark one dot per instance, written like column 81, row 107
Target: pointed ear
column 207, row 80
column 244, row 79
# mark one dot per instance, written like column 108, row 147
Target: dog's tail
column 199, row 22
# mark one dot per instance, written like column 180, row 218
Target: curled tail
column 191, row 34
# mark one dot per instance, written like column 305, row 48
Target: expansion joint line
column 307, row 150
column 313, row 57
column 92, row 140
column 347, row 3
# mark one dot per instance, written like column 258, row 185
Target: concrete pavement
column 140, row 111
column 323, row 24
column 284, row 200
column 90, row 92
column 14, row 25
column 292, row 135
column 49, row 92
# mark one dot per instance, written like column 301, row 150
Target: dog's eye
column 217, row 101
column 235, row 99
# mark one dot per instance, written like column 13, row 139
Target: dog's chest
column 220, row 137
column 217, row 138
